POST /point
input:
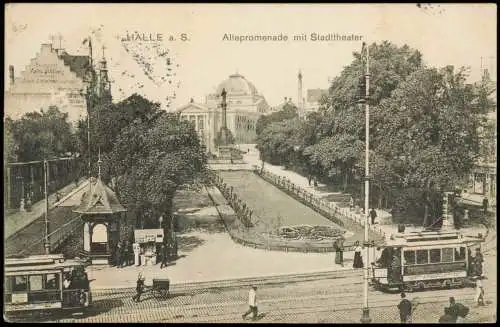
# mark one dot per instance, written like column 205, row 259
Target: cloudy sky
column 446, row 34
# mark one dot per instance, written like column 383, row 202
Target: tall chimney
column 11, row 74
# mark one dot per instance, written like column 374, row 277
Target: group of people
column 390, row 259
column 76, row 280
column 372, row 212
column 124, row 254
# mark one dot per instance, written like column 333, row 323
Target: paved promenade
column 383, row 222
column 17, row 221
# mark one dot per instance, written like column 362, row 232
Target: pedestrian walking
column 341, row 250
column 336, row 248
column 139, row 288
column 164, row 256
column 373, row 215
column 485, row 206
column 351, row 203
column 358, row 259
column 405, row 309
column 479, row 298
column 252, row 303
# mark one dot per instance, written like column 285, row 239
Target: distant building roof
column 77, row 64
column 314, row 95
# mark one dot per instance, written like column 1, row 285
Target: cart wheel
column 164, row 293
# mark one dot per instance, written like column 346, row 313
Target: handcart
column 161, row 288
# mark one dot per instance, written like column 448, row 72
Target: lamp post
column 160, row 220
column 45, row 170
column 365, row 316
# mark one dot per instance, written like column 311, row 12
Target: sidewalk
column 19, row 220
column 218, row 258
column 383, row 222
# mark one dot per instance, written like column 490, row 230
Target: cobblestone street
column 334, row 300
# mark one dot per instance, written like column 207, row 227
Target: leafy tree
column 427, row 131
column 288, row 111
column 42, row 135
column 107, row 120
column 151, row 159
column 10, row 146
column 341, row 120
column 278, row 141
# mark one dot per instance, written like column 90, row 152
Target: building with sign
column 148, row 241
column 54, row 78
column 244, row 107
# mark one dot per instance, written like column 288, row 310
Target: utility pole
column 365, row 317
column 46, row 182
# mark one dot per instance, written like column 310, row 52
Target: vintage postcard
column 236, row 163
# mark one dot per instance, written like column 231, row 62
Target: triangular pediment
column 193, row 108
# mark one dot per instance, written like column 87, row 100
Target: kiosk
column 148, row 241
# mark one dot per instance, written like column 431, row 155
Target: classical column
column 86, row 236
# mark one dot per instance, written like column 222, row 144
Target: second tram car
column 428, row 259
column 45, row 282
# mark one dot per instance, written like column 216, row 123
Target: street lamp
column 45, row 173
column 365, row 316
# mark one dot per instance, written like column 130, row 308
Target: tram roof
column 430, row 238
column 39, row 263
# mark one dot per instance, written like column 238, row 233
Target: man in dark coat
column 404, row 309
column 164, row 256
column 373, row 215
column 126, row 254
column 139, row 288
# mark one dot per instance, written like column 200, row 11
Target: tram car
column 42, row 283
column 428, row 259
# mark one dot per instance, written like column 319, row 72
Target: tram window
column 409, row 257
column 52, row 282
column 20, row 284
column 422, row 256
column 435, row 255
column 36, row 283
column 447, row 255
column 460, row 254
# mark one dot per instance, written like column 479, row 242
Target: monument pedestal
column 228, row 153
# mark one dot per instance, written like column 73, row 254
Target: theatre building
column 244, row 106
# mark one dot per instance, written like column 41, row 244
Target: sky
column 451, row 34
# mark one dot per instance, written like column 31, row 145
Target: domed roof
column 237, row 84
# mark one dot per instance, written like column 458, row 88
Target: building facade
column 483, row 181
column 244, row 107
column 54, row 78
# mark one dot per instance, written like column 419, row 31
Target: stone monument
column 226, row 149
